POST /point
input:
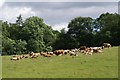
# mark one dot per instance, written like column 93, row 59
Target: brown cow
column 88, row 51
column 82, row 48
column 34, row 55
column 50, row 53
column 58, row 52
column 45, row 54
column 26, row 55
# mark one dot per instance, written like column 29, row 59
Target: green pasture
column 103, row 65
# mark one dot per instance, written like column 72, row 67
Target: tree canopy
column 32, row 34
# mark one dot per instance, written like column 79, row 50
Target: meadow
column 103, row 65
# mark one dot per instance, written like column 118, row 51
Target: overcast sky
column 56, row 14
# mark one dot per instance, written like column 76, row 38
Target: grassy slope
column 104, row 65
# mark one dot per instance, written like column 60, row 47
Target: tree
column 20, row 47
column 19, row 21
column 15, row 28
column 109, row 28
column 34, row 35
column 38, row 35
column 60, row 42
column 5, row 29
column 35, row 46
column 8, row 46
column 80, row 31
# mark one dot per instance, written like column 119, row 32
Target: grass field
column 104, row 65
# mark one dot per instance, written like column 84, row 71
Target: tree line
column 33, row 35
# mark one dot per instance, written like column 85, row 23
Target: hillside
column 104, row 65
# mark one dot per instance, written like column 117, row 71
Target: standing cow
column 108, row 45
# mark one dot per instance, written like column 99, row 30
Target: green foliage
column 48, row 48
column 80, row 31
column 5, row 29
column 19, row 20
column 34, row 45
column 110, row 28
column 20, row 46
column 26, row 36
column 32, row 34
column 8, row 45
column 38, row 35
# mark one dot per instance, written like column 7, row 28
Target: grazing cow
column 102, row 47
column 21, row 56
column 66, row 51
column 82, row 48
column 75, row 50
column 34, row 55
column 15, row 57
column 37, row 54
column 97, row 49
column 26, row 55
column 50, row 53
column 72, row 53
column 88, row 51
column 45, row 54
column 58, row 52
column 82, row 51
column 108, row 45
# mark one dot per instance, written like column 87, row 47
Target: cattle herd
column 72, row 52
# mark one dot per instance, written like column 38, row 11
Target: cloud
column 1, row 2
column 62, row 0
column 52, row 16
column 60, row 26
column 56, row 14
column 10, row 14
column 59, row 5
column 63, row 17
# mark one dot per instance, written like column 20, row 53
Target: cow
column 97, row 49
column 88, row 51
column 34, row 55
column 75, row 50
column 73, row 53
column 102, row 47
column 45, row 54
column 108, row 45
column 16, row 57
column 50, row 53
column 26, row 55
column 82, row 48
column 58, row 52
column 66, row 51
column 21, row 56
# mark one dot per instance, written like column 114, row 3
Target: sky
column 55, row 14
